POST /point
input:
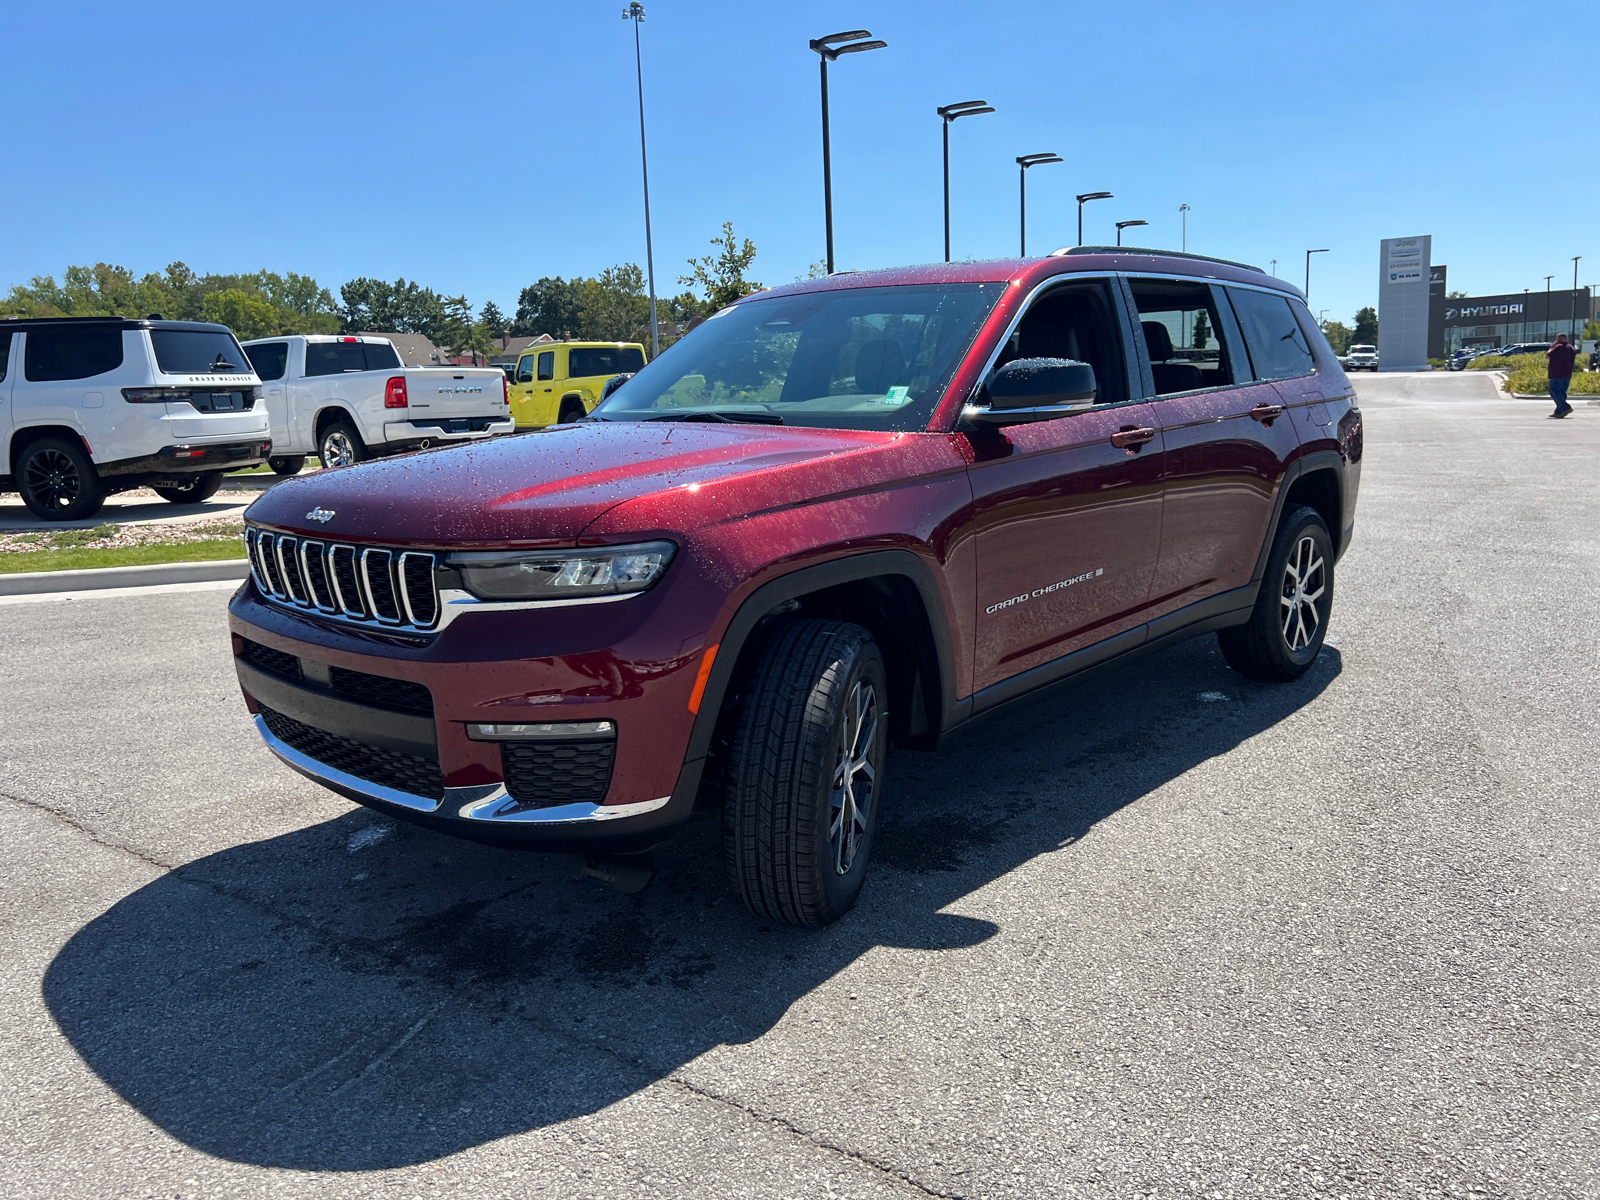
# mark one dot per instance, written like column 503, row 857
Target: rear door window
column 334, row 358
column 1278, row 346
column 380, row 356
column 1183, row 336
column 547, row 365
column 269, row 359
column 197, row 352
column 67, row 353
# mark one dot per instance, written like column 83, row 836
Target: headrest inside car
column 879, row 366
column 1157, row 340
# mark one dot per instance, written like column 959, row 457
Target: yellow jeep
column 561, row 381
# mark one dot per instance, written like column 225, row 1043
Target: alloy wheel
column 52, row 479
column 337, row 450
column 1304, row 585
column 855, row 777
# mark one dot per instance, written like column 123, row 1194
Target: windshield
column 198, row 352
column 860, row 358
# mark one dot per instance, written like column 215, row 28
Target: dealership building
column 1482, row 322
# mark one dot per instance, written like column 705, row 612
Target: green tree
column 721, row 276
column 1339, row 336
column 248, row 316
column 493, row 319
column 613, row 306
column 549, row 305
column 399, row 307
column 1591, row 331
column 1366, row 333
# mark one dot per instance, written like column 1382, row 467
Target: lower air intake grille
column 546, row 773
column 273, row 662
column 387, row 768
column 401, row 695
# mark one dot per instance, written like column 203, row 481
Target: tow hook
column 624, row 877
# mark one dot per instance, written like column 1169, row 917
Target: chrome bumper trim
column 321, row 772
column 483, row 802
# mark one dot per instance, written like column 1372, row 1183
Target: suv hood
column 536, row 489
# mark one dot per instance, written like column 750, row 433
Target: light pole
column 1183, row 211
column 1024, row 162
column 635, row 13
column 1121, row 225
column 1572, row 331
column 829, row 51
column 1309, row 253
column 951, row 113
column 1087, row 196
column 1546, row 334
column 1524, row 336
column 1274, row 268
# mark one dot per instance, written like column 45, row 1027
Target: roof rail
column 1227, row 262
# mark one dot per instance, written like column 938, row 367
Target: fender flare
column 934, row 645
column 23, row 434
column 1306, row 464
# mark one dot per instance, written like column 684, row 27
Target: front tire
column 341, row 446
column 58, row 482
column 195, row 490
column 805, row 773
column 1284, row 634
column 287, row 464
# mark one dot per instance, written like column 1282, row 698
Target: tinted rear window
column 269, row 360
column 337, row 358
column 1278, row 347
column 5, row 352
column 197, row 352
column 71, row 353
column 608, row 360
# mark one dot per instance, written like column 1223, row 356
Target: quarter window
column 1182, row 335
column 583, row 362
column 70, row 353
column 269, row 359
column 547, row 365
column 1278, row 348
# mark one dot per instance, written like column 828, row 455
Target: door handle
column 1131, row 437
column 1267, row 413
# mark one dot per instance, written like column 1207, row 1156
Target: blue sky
column 476, row 147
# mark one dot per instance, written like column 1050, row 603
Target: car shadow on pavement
column 360, row 995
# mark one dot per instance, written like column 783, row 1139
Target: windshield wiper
column 222, row 364
column 729, row 418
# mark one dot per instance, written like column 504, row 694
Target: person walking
column 1559, row 359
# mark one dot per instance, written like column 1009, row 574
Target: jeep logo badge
column 321, row 515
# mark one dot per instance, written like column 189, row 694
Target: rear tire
column 58, row 482
column 572, row 409
column 287, row 464
column 804, row 773
column 341, row 446
column 199, row 488
column 1284, row 634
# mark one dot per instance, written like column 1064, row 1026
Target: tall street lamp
column 1524, row 336
column 1274, row 268
column 1024, row 162
column 1309, row 253
column 1121, row 225
column 1183, row 211
column 1083, row 199
column 830, row 48
column 635, row 13
column 1572, row 332
column 951, row 113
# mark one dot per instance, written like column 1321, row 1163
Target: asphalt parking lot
column 1169, row 934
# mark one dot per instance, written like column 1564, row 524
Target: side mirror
column 1035, row 389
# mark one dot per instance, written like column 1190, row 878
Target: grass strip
column 210, row 550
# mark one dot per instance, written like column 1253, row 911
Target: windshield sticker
column 896, row 397
column 1046, row 590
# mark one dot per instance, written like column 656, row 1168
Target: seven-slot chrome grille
column 371, row 584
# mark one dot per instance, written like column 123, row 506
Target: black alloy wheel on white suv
column 58, row 482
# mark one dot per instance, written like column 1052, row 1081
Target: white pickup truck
column 346, row 399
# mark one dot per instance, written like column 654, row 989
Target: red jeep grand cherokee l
column 838, row 516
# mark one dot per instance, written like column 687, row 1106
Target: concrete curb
column 257, row 483
column 27, row 583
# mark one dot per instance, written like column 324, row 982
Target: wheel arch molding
column 24, row 436
column 1315, row 479
column 869, row 589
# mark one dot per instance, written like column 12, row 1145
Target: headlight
column 562, row 574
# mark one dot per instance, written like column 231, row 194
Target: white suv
column 95, row 405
